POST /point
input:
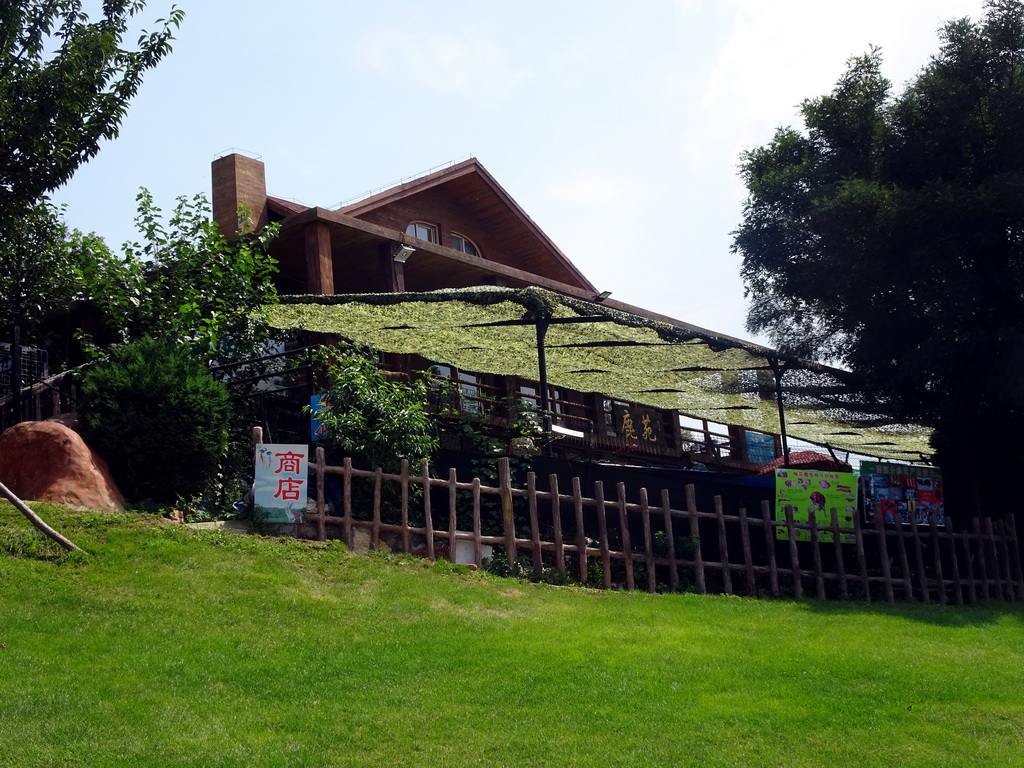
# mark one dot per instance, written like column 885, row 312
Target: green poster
column 820, row 490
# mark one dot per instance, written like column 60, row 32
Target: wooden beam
column 319, row 266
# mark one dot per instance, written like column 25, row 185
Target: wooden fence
column 590, row 539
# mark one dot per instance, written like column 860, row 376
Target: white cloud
column 465, row 63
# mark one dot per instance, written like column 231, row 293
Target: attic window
column 422, row 231
column 464, row 244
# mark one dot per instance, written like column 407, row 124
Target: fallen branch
column 35, row 519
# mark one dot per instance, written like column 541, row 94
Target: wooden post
column 1011, row 526
column 982, row 564
column 958, row 587
column 819, row 578
column 406, row 540
column 556, row 523
column 346, row 502
column 862, row 561
column 453, row 491
column 769, row 541
column 901, row 540
column 428, row 519
column 602, row 534
column 507, row 515
column 883, row 554
column 991, row 539
column 794, row 555
column 531, row 501
column 645, row 514
column 378, row 475
column 321, row 507
column 723, row 547
column 972, row 587
column 698, row 558
column 581, row 535
column 666, row 509
column 1003, row 558
column 922, row 576
column 937, row 558
column 748, row 560
column 627, row 544
column 478, row 553
column 837, row 543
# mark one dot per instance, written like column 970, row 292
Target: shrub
column 158, row 418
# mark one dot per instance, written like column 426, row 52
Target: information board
column 279, row 492
column 900, row 492
column 820, row 490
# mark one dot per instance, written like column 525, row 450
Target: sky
column 617, row 127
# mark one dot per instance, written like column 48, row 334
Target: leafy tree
column 186, row 283
column 65, row 84
column 888, row 235
column 155, row 414
column 370, row 418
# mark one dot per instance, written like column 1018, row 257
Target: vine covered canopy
column 623, row 355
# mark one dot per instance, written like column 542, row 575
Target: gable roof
column 525, row 246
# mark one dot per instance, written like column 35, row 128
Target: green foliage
column 888, row 234
column 65, row 85
column 42, row 264
column 187, row 283
column 157, row 417
column 374, row 420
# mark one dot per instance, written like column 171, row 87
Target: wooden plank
column 375, row 525
column 666, row 510
column 428, row 518
column 794, row 555
column 645, row 514
column 453, row 489
column 478, row 550
column 321, row 507
column 937, row 558
column 346, row 503
column 404, row 481
column 556, row 523
column 922, row 576
column 819, row 577
column 508, row 519
column 723, row 547
column 990, row 537
column 1004, row 560
column 883, row 554
column 908, row 583
column 1011, row 526
column 958, row 585
column 602, row 534
column 837, row 543
column 862, row 560
column 748, row 560
column 698, row 558
column 979, row 544
column 581, row 534
column 769, row 541
column 531, row 500
column 627, row 544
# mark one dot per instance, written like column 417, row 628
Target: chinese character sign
column 280, row 488
column 901, row 491
column 822, row 491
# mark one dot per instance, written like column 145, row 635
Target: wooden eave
column 523, row 242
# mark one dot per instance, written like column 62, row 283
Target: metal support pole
column 542, row 366
column 778, row 370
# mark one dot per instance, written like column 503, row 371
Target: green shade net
column 618, row 354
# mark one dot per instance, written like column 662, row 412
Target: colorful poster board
column 820, row 490
column 317, row 429
column 901, row 491
column 760, row 448
column 279, row 492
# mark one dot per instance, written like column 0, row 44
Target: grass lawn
column 164, row 647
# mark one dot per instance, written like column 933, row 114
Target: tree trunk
column 35, row 519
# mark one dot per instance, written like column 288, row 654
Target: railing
column 590, row 539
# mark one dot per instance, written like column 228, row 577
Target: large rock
column 45, row 460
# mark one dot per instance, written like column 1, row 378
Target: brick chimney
column 239, row 181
